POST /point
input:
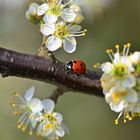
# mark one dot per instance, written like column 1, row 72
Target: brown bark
column 46, row 70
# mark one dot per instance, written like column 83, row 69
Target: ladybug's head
column 69, row 66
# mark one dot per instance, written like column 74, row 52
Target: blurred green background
column 89, row 118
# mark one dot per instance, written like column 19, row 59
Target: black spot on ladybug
column 74, row 62
column 77, row 69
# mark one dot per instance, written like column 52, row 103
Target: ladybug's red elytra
column 76, row 66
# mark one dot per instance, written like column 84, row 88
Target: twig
column 59, row 91
column 44, row 52
column 46, row 70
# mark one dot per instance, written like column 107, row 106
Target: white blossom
column 121, row 98
column 28, row 108
column 135, row 58
column 121, row 84
column 123, row 101
column 120, row 69
column 79, row 17
column 64, row 36
column 52, row 10
column 47, row 29
column 32, row 11
column 51, row 125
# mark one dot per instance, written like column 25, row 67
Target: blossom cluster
column 121, row 82
column 39, row 115
column 58, row 22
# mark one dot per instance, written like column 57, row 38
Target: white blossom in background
column 121, row 82
column 37, row 115
column 58, row 22
column 95, row 7
column 28, row 108
column 14, row 4
column 51, row 126
column 79, row 17
column 52, row 10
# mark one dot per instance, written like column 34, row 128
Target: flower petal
column 51, row 18
column 135, row 58
column 108, row 97
column 47, row 29
column 58, row 117
column 74, row 28
column 48, row 132
column 48, row 105
column 42, row 9
column 75, row 8
column 131, row 96
column 35, row 105
column 52, row 136
column 29, row 93
column 40, row 127
column 33, row 8
column 68, row 15
column 63, row 125
column 33, row 123
column 129, row 81
column 107, row 67
column 60, row 132
column 107, row 82
column 69, row 44
column 117, row 107
column 53, row 43
column 117, row 58
column 36, row 117
column 136, row 108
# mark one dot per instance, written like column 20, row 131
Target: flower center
column 51, row 123
column 61, row 31
column 50, row 118
column 120, row 70
column 54, row 8
column 117, row 96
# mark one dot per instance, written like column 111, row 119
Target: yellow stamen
column 124, row 121
column 57, row 138
column 116, row 122
column 16, row 113
column 95, row 66
column 108, row 51
column 19, row 126
column 24, row 128
column 117, row 46
column 130, row 118
column 30, row 133
column 128, row 44
column 16, row 94
column 14, row 105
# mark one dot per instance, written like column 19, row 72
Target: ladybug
column 76, row 66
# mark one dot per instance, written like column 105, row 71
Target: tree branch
column 59, row 91
column 46, row 70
